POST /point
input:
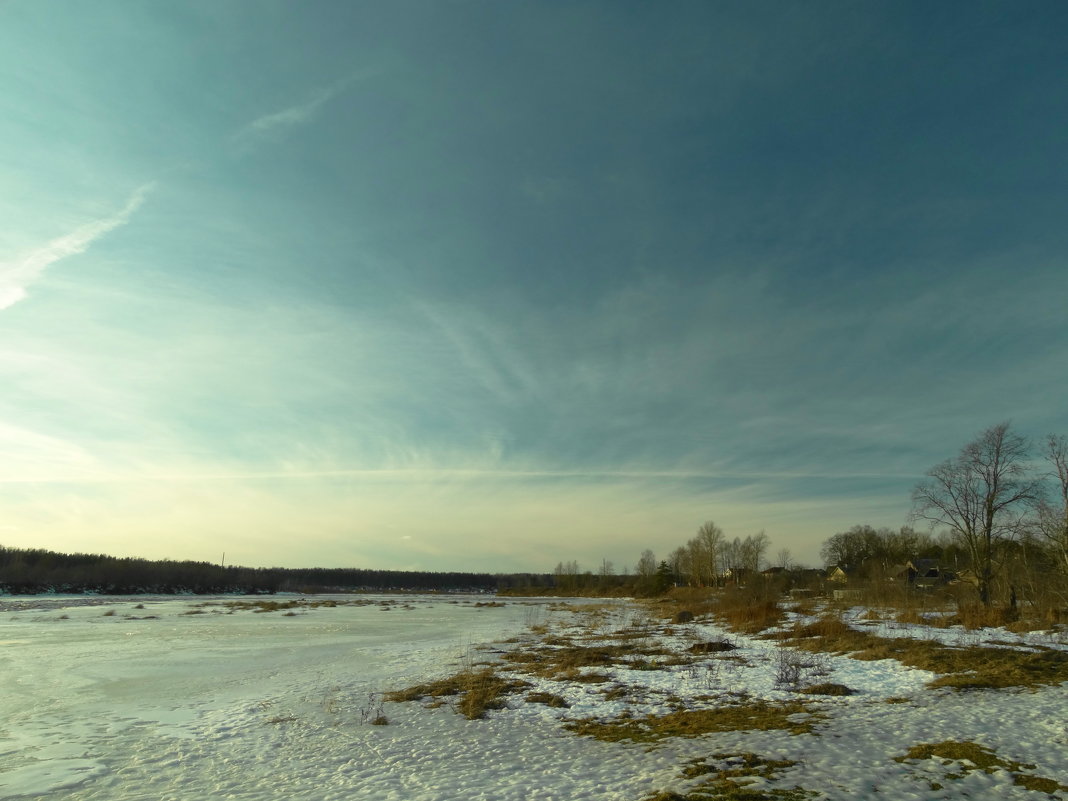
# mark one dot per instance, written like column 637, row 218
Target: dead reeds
column 475, row 691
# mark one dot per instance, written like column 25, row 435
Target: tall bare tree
column 982, row 495
column 751, row 552
column 695, row 562
column 680, row 563
column 710, row 540
column 646, row 567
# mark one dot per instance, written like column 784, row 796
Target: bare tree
column 851, row 548
column 710, row 539
column 646, row 567
column 695, row 562
column 730, row 556
column 982, row 496
column 871, row 549
column 783, row 558
column 566, row 574
column 605, row 573
column 752, row 551
column 1052, row 524
column 680, row 563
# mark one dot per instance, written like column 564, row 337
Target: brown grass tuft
column 712, row 647
column 749, row 609
column 962, row 668
column 755, row 715
column 973, row 756
column 977, row 616
column 565, row 659
column 549, row 699
column 730, row 778
column 477, row 690
column 828, row 688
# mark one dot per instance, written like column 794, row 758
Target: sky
column 472, row 285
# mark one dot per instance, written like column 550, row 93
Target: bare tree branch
column 982, row 496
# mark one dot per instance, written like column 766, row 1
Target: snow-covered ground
column 100, row 699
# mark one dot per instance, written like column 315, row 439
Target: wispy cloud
column 17, row 276
column 301, row 112
column 288, row 117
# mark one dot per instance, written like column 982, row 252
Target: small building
column 920, row 573
column 842, row 574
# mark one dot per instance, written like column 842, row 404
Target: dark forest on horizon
column 25, row 571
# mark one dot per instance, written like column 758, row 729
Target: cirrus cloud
column 16, row 276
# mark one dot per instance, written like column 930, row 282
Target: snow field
column 261, row 706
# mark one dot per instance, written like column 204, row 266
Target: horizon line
column 448, row 472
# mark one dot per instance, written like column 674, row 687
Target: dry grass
column 749, row 610
column 994, row 668
column 265, row 605
column 973, row 756
column 828, row 688
column 477, row 691
column 943, row 611
column 712, row 647
column 908, row 616
column 549, row 699
column 564, row 658
column 976, row 616
column 577, row 676
column 973, row 667
column 808, row 607
column 729, row 776
column 791, row 716
column 616, row 692
column 690, row 602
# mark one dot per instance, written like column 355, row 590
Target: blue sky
column 487, row 286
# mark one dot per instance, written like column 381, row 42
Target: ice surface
column 100, row 703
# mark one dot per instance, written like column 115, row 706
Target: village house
column 919, row 573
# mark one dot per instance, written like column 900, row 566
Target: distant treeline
column 26, row 571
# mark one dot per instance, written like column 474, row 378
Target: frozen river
column 197, row 699
column 104, row 699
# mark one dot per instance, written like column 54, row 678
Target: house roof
column 925, row 567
